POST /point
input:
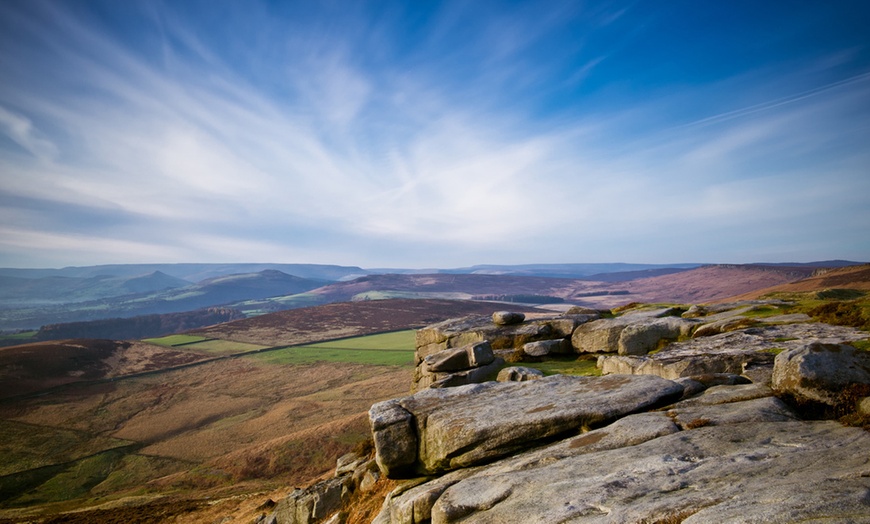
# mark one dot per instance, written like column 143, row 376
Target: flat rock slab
column 438, row 430
column 772, row 472
column 730, row 352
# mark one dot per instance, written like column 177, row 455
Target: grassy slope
column 284, row 416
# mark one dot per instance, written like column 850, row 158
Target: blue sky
column 433, row 134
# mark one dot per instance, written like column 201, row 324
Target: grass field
column 175, row 340
column 386, row 349
column 12, row 339
column 204, row 345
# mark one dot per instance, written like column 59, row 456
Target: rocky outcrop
column 822, row 373
column 326, row 498
column 635, row 333
column 732, row 454
column 505, row 332
column 468, row 364
column 746, row 350
column 681, row 427
column 439, row 430
column 726, row 448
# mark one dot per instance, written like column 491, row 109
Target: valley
column 212, row 421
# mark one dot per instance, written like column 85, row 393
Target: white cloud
column 22, row 131
column 383, row 158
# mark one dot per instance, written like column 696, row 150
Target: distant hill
column 445, row 284
column 572, row 271
column 217, row 291
column 188, row 272
column 30, row 298
column 145, row 326
column 851, row 277
column 710, row 283
column 65, row 289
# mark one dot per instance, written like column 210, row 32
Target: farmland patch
column 386, row 349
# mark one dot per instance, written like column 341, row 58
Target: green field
column 204, row 345
column 386, row 349
column 175, row 340
column 222, row 347
column 18, row 338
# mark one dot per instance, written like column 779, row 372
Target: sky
column 433, row 134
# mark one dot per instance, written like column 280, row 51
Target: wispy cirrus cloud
column 432, row 146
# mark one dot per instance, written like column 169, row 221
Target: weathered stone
column 458, row 427
column 723, row 326
column 691, row 387
column 642, row 337
column 765, row 472
column 764, row 409
column 821, row 372
column 602, row 336
column 543, row 348
column 731, row 352
column 347, row 463
column 394, row 437
column 327, row 498
column 728, row 452
column 598, row 336
column 699, row 383
column 695, row 311
column 518, row 374
column 414, row 504
column 507, row 318
column 580, row 310
column 721, row 379
column 468, row 330
column 470, row 376
column 368, row 481
column 458, row 359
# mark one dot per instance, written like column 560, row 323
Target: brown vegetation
column 143, row 326
column 850, row 277
column 346, row 319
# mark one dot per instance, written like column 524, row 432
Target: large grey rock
column 519, row 374
column 599, row 336
column 413, row 504
column 777, row 472
column 468, row 425
column 723, row 326
column 314, row 504
column 821, row 372
column 507, row 318
column 423, row 379
column 393, row 432
column 640, row 338
column 468, row 330
column 602, row 336
column 543, row 348
column 458, row 359
column 763, row 409
column 732, row 352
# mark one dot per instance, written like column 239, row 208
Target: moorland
column 210, row 421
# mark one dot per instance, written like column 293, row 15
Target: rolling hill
column 849, row 277
column 64, row 289
column 216, row 291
